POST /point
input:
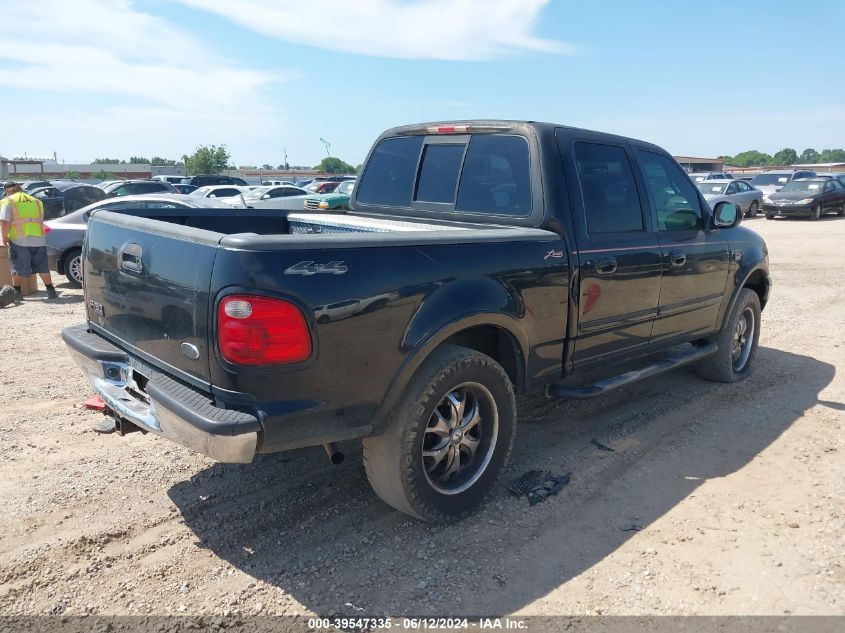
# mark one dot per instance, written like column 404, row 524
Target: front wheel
column 841, row 212
column 737, row 342
column 72, row 268
column 770, row 216
column 448, row 438
column 816, row 213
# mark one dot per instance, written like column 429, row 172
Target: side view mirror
column 266, row 196
column 726, row 215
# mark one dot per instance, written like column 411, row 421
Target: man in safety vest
column 22, row 228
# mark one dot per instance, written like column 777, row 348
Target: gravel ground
column 717, row 499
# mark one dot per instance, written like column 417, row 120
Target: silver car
column 66, row 234
column 270, row 197
column 742, row 194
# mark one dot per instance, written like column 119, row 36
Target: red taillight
column 261, row 331
column 47, row 229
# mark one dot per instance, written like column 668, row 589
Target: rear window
column 389, row 176
column 489, row 175
column 496, row 176
column 441, row 165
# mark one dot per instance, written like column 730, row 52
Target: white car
column 701, row 176
column 276, row 183
column 770, row 182
column 220, row 191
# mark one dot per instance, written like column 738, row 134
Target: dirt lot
column 717, row 500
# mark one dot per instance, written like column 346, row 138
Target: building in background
column 694, row 163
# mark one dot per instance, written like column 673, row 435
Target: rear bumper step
column 171, row 409
column 672, row 361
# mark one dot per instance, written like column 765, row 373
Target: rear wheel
column 841, row 212
column 72, row 267
column 737, row 342
column 448, row 439
column 752, row 210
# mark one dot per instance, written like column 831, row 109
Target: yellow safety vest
column 27, row 216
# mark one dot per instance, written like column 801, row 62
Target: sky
column 117, row 78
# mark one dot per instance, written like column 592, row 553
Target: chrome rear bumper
column 165, row 407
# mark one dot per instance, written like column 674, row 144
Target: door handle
column 130, row 257
column 606, row 265
column 678, row 258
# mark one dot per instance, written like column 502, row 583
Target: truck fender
column 743, row 281
column 446, row 312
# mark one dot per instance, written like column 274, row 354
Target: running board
column 671, row 361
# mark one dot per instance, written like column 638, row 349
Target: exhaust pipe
column 335, row 456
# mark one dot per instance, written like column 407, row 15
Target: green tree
column 333, row 165
column 168, row 162
column 809, row 155
column 138, row 160
column 104, row 175
column 832, row 156
column 207, row 159
column 266, row 166
column 786, row 156
column 285, row 166
column 73, row 175
column 751, row 158
column 108, row 161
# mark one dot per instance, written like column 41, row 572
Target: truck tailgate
column 146, row 287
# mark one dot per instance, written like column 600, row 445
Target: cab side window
column 672, row 193
column 608, row 188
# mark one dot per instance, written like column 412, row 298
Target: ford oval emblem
column 190, row 351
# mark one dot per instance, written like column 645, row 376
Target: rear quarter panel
column 374, row 324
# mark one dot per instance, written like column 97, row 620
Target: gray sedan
column 746, row 197
column 66, row 234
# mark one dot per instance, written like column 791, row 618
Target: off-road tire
column 720, row 366
column 394, row 460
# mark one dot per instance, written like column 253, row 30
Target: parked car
column 742, row 194
column 208, row 179
column 322, row 187
column 171, row 178
column 810, row 197
column 32, row 185
column 710, row 175
column 283, row 197
column 336, row 200
column 63, row 197
column 303, row 182
column 181, row 187
column 67, row 233
column 106, row 183
column 137, row 187
column 771, row 181
column 493, row 283
column 269, row 183
column 219, row 191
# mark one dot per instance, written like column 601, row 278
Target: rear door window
column 438, row 180
column 608, row 188
column 496, row 176
column 389, row 177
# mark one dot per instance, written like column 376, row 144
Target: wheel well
column 757, row 283
column 496, row 343
column 60, row 264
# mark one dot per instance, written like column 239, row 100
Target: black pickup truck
column 479, row 259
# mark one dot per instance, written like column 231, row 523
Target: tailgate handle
column 130, row 257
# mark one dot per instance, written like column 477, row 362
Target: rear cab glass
column 485, row 174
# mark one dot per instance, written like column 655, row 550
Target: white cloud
column 420, row 29
column 108, row 47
